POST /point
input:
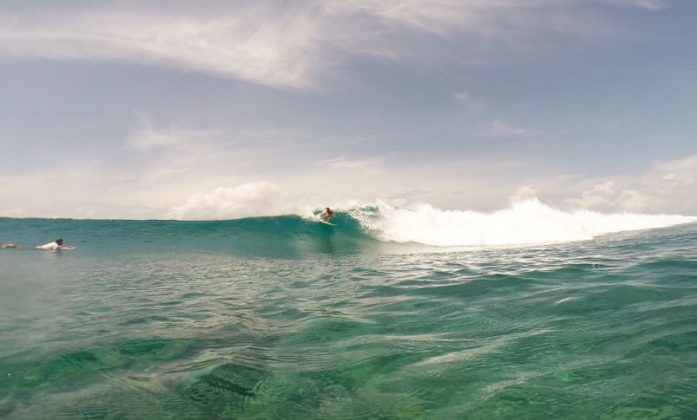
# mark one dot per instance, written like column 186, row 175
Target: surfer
column 54, row 246
column 326, row 215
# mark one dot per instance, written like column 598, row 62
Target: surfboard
column 61, row 248
column 326, row 223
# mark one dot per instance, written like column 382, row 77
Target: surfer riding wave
column 326, row 215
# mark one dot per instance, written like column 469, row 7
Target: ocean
column 527, row 313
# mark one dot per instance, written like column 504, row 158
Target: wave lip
column 525, row 223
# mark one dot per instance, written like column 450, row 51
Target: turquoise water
column 285, row 318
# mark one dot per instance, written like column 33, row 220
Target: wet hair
column 59, row 241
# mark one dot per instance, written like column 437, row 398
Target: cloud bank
column 668, row 187
column 247, row 200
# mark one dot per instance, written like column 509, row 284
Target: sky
column 222, row 109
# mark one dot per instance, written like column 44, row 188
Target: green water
column 278, row 318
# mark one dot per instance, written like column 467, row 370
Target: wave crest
column 526, row 222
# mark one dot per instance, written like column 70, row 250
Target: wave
column 270, row 236
column 358, row 228
column 526, row 222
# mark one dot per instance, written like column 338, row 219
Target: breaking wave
column 527, row 222
column 358, row 228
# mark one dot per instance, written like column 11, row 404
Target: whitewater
column 526, row 222
column 407, row 312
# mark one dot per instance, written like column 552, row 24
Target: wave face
column 279, row 236
column 361, row 228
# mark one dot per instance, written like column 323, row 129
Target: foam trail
column 527, row 222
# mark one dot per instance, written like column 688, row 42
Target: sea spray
column 525, row 222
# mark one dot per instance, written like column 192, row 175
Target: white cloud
column 669, row 187
column 260, row 46
column 681, row 171
column 600, row 195
column 462, row 97
column 473, row 23
column 157, row 138
column 500, row 128
column 649, row 5
column 77, row 192
column 208, row 188
column 15, row 211
column 343, row 162
column 524, row 193
column 176, row 154
column 486, row 189
column 257, row 198
column 606, row 196
column 422, row 15
column 292, row 45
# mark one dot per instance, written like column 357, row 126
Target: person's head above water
column 59, row 241
column 329, row 211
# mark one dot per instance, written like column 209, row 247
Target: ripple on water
column 602, row 329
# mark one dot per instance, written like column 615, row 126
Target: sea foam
column 525, row 222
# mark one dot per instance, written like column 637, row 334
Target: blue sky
column 175, row 109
